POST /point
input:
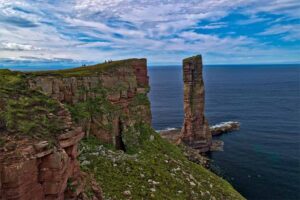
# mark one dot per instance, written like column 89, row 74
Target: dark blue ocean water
column 262, row 160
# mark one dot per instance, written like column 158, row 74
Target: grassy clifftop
column 24, row 111
column 88, row 70
column 154, row 170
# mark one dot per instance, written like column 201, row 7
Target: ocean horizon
column 62, row 66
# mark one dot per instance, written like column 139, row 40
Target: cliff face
column 195, row 131
column 38, row 144
column 112, row 99
column 38, row 136
column 33, row 170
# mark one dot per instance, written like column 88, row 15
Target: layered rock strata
column 35, row 169
column 195, row 131
column 110, row 98
column 126, row 85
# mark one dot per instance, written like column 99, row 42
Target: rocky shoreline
column 224, row 127
column 216, row 130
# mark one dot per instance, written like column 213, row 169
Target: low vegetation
column 24, row 111
column 155, row 169
column 140, row 99
column 85, row 70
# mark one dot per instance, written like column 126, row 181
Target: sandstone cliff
column 112, row 96
column 38, row 144
column 195, row 131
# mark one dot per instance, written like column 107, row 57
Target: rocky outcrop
column 224, row 127
column 195, row 131
column 125, row 84
column 34, row 169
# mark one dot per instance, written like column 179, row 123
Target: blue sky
column 164, row 31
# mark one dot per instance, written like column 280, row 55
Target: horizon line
column 58, row 66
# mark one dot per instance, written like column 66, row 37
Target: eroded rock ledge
column 34, row 169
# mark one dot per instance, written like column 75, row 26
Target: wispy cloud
column 287, row 32
column 16, row 47
column 252, row 20
column 162, row 30
column 215, row 25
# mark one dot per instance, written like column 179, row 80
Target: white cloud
column 163, row 30
column 289, row 32
column 290, row 8
column 16, row 47
column 252, row 20
column 215, row 25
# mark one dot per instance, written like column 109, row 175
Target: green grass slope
column 154, row 170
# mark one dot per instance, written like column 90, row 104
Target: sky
column 163, row 31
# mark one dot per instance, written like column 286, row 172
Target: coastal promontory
column 85, row 133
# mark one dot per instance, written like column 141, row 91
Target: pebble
column 155, row 183
column 192, row 184
column 151, row 137
column 127, row 193
column 86, row 162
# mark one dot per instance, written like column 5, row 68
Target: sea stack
column 195, row 130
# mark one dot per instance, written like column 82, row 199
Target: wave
column 167, row 129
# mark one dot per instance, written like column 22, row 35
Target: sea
column 262, row 159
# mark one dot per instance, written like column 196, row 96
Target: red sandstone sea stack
column 195, row 131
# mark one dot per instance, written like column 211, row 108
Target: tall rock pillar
column 195, row 131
